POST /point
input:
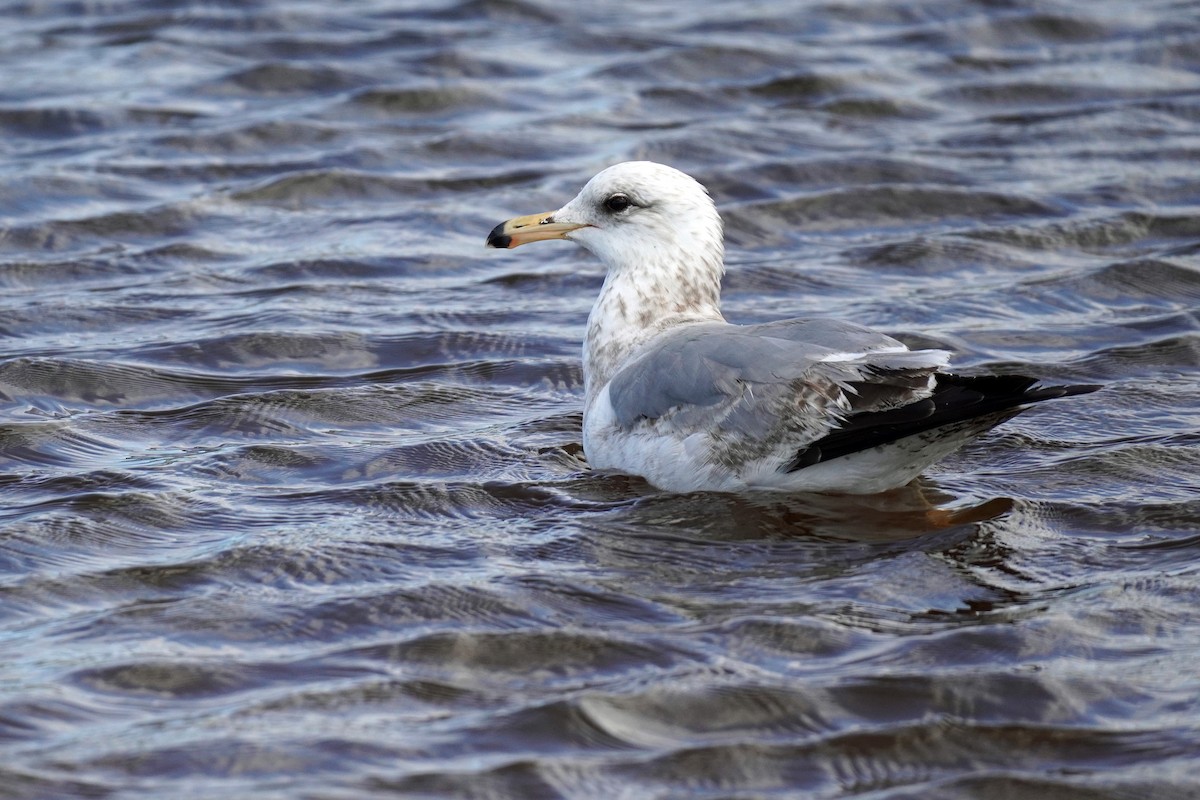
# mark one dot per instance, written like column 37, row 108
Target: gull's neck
column 641, row 301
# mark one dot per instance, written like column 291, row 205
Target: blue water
column 293, row 498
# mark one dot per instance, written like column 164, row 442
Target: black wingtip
column 1036, row 394
column 1081, row 388
column 955, row 399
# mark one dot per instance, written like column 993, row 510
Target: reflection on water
column 294, row 502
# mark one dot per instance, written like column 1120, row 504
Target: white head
column 635, row 216
column 660, row 236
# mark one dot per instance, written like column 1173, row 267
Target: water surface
column 294, row 504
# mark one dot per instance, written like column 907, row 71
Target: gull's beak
column 533, row 228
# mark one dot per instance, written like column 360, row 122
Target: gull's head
column 631, row 215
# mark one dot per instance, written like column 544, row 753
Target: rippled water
column 294, row 501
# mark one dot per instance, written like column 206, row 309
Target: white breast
column 673, row 463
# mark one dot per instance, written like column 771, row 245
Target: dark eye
column 617, row 203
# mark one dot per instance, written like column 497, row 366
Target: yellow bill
column 532, row 228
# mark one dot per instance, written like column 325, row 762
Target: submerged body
column 679, row 396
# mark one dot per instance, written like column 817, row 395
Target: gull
column 675, row 394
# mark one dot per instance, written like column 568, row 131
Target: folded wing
column 769, row 391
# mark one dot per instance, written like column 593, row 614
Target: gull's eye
column 617, row 203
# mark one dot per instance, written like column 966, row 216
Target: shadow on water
column 910, row 512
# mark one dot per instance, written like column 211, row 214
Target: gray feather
column 758, row 385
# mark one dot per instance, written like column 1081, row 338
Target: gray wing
column 763, row 386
